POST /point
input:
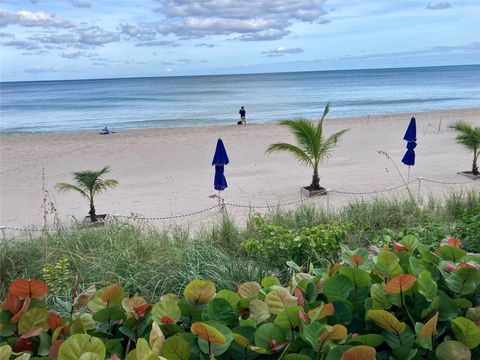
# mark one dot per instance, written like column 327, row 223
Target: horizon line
column 242, row 74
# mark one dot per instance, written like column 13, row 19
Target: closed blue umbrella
column 411, row 138
column 220, row 159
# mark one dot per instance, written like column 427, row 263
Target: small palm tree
column 469, row 137
column 312, row 147
column 88, row 183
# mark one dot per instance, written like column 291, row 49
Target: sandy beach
column 164, row 172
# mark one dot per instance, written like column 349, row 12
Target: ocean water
column 164, row 102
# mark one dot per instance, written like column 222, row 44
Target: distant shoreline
column 376, row 117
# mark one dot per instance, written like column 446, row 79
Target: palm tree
column 312, row 147
column 469, row 137
column 88, row 183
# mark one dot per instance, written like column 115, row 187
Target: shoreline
column 376, row 117
column 167, row 171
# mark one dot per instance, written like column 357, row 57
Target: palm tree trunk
column 93, row 215
column 315, row 185
column 475, row 166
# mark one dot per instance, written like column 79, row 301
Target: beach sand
column 163, row 172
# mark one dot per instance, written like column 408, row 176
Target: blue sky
column 75, row 39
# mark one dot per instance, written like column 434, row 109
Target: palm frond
column 329, row 144
column 304, row 132
column 467, row 135
column 320, row 123
column 66, row 187
column 301, row 155
column 102, row 185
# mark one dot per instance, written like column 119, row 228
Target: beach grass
column 152, row 262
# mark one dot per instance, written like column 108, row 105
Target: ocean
column 165, row 102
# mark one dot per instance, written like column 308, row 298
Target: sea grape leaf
column 208, row 333
column 430, row 327
column 166, row 312
column 357, row 258
column 189, row 311
column 451, row 253
column 411, row 241
column 207, row 347
column 400, row 283
column 343, row 313
column 268, row 332
column 259, row 311
column 176, row 348
column 311, row 333
column 373, row 340
column 360, row 352
column 279, row 299
column 379, row 298
column 249, row 290
column 473, row 313
column 199, row 291
column 387, row 262
column 404, row 339
column 34, row 318
column 403, row 353
column 358, row 277
column 220, row 310
column 232, row 297
column 448, row 309
column 466, row 331
column 426, row 286
column 114, row 294
column 113, row 313
column 337, row 287
column 321, row 312
column 337, row 352
column 288, row 319
column 426, row 342
column 449, row 350
column 415, row 266
column 297, row 357
column 335, row 332
column 5, row 351
column 269, row 281
column 386, row 320
column 463, row 281
column 77, row 345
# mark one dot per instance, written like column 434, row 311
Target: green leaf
column 358, row 277
column 451, row 253
column 297, row 357
column 447, row 307
column 411, row 241
column 337, row 352
column 34, row 318
column 97, row 304
column 407, row 338
column 220, row 310
column 379, row 298
column 77, row 345
column 372, row 340
column 289, row 319
column 311, row 333
column 473, row 313
column 5, row 351
column 6, row 327
column 386, row 320
column 466, row 331
column 166, row 308
column 449, row 350
column 109, row 314
column 337, row 287
column 176, row 348
column 232, row 297
column 220, row 348
column 269, row 281
column 268, row 332
column 402, row 353
column 259, row 311
column 387, row 262
column 463, row 281
column 426, row 286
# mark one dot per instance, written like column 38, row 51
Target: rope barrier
column 250, row 206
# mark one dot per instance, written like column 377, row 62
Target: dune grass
column 152, row 262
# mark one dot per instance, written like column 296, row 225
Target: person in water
column 242, row 113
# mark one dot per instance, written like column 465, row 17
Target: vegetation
column 312, row 147
column 469, row 137
column 401, row 302
column 88, row 184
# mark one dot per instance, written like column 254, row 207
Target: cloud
column 185, row 61
column 158, row 43
column 282, row 51
column 205, row 45
column 78, row 54
column 439, row 6
column 5, row 35
column 22, row 44
column 39, row 70
column 56, row 39
column 140, row 32
column 80, row 3
column 96, row 36
column 252, row 20
column 32, row 19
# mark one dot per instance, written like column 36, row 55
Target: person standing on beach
column 242, row 113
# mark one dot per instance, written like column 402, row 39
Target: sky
column 81, row 39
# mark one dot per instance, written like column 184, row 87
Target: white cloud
column 80, row 3
column 439, row 6
column 158, row 43
column 280, row 51
column 96, row 36
column 32, row 19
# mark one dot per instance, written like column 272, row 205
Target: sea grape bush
column 318, row 245
column 468, row 228
column 401, row 302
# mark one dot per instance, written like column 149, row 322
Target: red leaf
column 53, row 352
column 357, row 259
column 399, row 247
column 23, row 310
column 400, row 283
column 54, row 321
column 28, row 288
column 275, row 347
column 167, row 320
column 141, row 309
column 299, row 295
column 454, row 242
column 22, row 345
column 12, row 303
